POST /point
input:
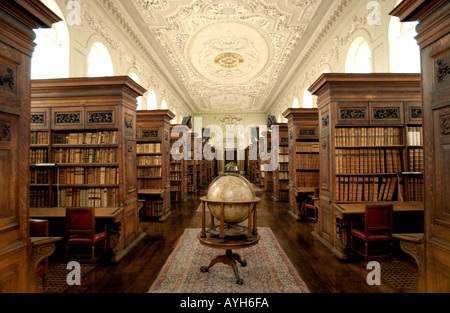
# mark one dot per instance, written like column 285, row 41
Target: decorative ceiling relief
column 228, row 54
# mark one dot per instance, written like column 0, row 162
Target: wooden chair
column 308, row 208
column 80, row 231
column 378, row 227
column 39, row 228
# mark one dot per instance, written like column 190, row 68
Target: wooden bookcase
column 17, row 19
column 281, row 174
column 268, row 175
column 89, row 130
column 363, row 122
column 153, row 161
column 192, row 166
column 434, row 40
column 303, row 127
column 178, row 168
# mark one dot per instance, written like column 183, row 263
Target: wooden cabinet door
column 14, row 160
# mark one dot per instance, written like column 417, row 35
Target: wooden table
column 112, row 216
column 346, row 213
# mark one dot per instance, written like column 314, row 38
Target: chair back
column 38, row 228
column 80, row 221
column 379, row 218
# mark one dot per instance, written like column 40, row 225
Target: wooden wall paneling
column 17, row 21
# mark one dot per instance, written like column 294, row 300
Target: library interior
column 229, row 146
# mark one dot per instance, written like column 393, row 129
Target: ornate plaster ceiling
column 227, row 54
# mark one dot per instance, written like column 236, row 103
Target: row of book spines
column 148, row 148
column 149, row 172
column 283, row 195
column 308, row 161
column 368, row 161
column 416, row 160
column 39, row 198
column 149, row 160
column 82, row 175
column 175, row 176
column 39, row 138
column 92, row 197
column 38, row 156
column 414, row 136
column 307, row 179
column 283, row 158
column 88, row 138
column 306, row 146
column 153, row 207
column 368, row 136
column 38, row 176
column 283, row 175
column 368, row 188
column 85, row 155
column 415, row 189
column 175, row 167
column 284, row 185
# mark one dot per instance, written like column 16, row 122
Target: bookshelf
column 153, row 162
column 192, row 166
column 268, row 175
column 281, row 174
column 178, row 168
column 87, row 128
column 18, row 19
column 303, row 155
column 363, row 125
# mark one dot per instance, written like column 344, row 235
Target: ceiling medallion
column 229, row 60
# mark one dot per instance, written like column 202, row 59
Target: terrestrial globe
column 230, row 187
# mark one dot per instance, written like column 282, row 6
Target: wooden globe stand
column 233, row 242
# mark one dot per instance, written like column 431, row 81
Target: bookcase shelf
column 281, row 174
column 153, row 162
column 89, row 126
column 178, row 168
column 303, row 155
column 363, row 143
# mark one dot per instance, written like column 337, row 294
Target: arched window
column 403, row 48
column 134, row 77
column 307, row 99
column 295, row 103
column 164, row 105
column 99, row 61
column 152, row 103
column 52, row 47
column 358, row 57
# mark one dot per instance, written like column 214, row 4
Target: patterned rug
column 57, row 277
column 268, row 269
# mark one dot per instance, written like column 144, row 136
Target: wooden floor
column 322, row 272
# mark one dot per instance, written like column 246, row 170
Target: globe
column 230, row 187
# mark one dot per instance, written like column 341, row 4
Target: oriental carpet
column 268, row 269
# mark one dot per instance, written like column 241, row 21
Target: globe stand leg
column 229, row 258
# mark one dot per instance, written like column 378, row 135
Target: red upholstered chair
column 39, row 228
column 80, row 231
column 378, row 226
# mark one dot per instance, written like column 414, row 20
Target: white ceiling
column 226, row 55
